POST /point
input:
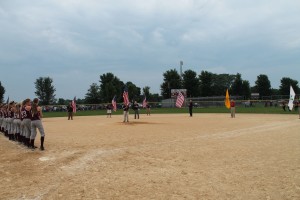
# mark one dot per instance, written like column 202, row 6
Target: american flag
column 125, row 96
column 144, row 102
column 74, row 104
column 114, row 103
column 180, row 100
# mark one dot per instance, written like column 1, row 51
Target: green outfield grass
column 254, row 110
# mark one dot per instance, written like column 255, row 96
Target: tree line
column 208, row 84
column 205, row 84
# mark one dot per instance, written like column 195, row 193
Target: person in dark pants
column 136, row 110
column 70, row 111
column 191, row 108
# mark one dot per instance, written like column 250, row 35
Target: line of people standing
column 136, row 108
column 20, row 121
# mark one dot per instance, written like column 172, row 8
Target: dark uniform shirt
column 36, row 116
column 25, row 113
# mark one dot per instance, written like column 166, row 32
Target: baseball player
column 10, row 119
column 36, row 123
column 17, row 122
column 26, row 115
column 1, row 118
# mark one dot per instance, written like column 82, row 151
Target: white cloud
column 126, row 36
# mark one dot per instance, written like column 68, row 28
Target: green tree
column 134, row 92
column 61, row 101
column 263, row 85
column 110, row 85
column 2, row 92
column 246, row 90
column 146, row 92
column 45, row 90
column 191, row 83
column 237, row 85
column 220, row 83
column 172, row 80
column 206, row 83
column 286, row 82
column 93, row 94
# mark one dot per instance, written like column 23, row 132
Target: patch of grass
column 254, row 110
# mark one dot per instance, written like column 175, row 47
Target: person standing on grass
column 36, row 123
column 70, row 111
column 191, row 108
column 232, row 108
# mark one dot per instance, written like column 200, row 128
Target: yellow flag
column 227, row 100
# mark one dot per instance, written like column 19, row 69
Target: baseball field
column 162, row 156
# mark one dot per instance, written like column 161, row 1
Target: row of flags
column 290, row 104
column 179, row 101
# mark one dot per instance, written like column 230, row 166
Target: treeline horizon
column 205, row 84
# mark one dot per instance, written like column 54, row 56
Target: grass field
column 257, row 110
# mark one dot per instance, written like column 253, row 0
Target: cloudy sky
column 75, row 41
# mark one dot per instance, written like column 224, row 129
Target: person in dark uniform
column 36, row 123
column 136, row 110
column 26, row 123
column 191, row 108
column 70, row 111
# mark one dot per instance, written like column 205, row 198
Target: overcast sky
column 76, row 41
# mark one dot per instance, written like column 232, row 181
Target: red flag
column 74, row 104
column 114, row 103
column 180, row 100
column 144, row 102
column 125, row 96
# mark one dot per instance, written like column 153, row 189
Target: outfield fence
column 199, row 102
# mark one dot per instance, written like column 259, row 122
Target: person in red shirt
column 232, row 108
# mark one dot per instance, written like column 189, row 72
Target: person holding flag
column 146, row 105
column 232, row 108
column 70, row 111
column 125, row 105
column 230, row 104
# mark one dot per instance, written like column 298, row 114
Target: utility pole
column 181, row 64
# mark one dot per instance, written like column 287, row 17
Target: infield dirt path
column 208, row 156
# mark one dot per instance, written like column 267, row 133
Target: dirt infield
column 208, row 156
